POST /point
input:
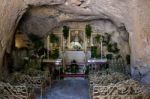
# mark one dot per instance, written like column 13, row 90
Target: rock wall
column 10, row 13
column 139, row 40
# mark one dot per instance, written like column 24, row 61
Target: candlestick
column 48, row 46
column 101, row 40
column 101, row 49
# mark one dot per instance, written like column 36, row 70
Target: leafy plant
column 109, row 56
column 116, row 50
column 54, row 38
column 94, row 51
column 118, row 57
column 34, row 63
column 65, row 31
column 106, row 39
column 88, row 30
column 55, row 53
column 74, row 67
column 98, row 38
column 36, row 40
column 112, row 47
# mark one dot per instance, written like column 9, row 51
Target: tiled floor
column 68, row 89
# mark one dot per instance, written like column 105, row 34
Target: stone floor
column 68, row 89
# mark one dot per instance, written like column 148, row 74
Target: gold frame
column 93, row 42
column 60, row 44
column 81, row 37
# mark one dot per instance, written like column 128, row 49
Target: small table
column 56, row 62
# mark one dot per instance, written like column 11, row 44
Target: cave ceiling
column 41, row 20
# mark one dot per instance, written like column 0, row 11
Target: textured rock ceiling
column 40, row 20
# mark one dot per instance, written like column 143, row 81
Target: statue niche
column 76, row 39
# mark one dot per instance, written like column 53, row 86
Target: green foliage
column 116, row 50
column 87, row 70
column 128, row 59
column 55, row 53
column 88, row 30
column 61, row 70
column 109, row 56
column 99, row 38
column 94, row 51
column 74, row 68
column 36, row 40
column 106, row 39
column 118, row 57
column 54, row 38
column 65, row 31
column 112, row 47
column 34, row 63
column 109, row 47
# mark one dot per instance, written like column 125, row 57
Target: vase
column 65, row 44
column 88, row 42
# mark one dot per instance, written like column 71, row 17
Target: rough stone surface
column 43, row 2
column 139, row 38
column 10, row 13
column 132, row 13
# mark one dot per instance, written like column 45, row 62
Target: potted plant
column 65, row 32
column 94, row 52
column 99, row 38
column 112, row 47
column 55, row 53
column 88, row 30
column 54, row 39
column 109, row 56
column 36, row 40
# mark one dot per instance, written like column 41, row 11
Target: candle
column 101, row 49
column 101, row 40
column 48, row 46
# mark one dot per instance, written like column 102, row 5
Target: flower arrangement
column 55, row 53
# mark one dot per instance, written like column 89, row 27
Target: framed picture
column 76, row 39
column 60, row 36
column 93, row 39
column 59, row 41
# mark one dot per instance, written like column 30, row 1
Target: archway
column 39, row 21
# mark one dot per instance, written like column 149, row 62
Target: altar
column 78, row 56
column 55, row 61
